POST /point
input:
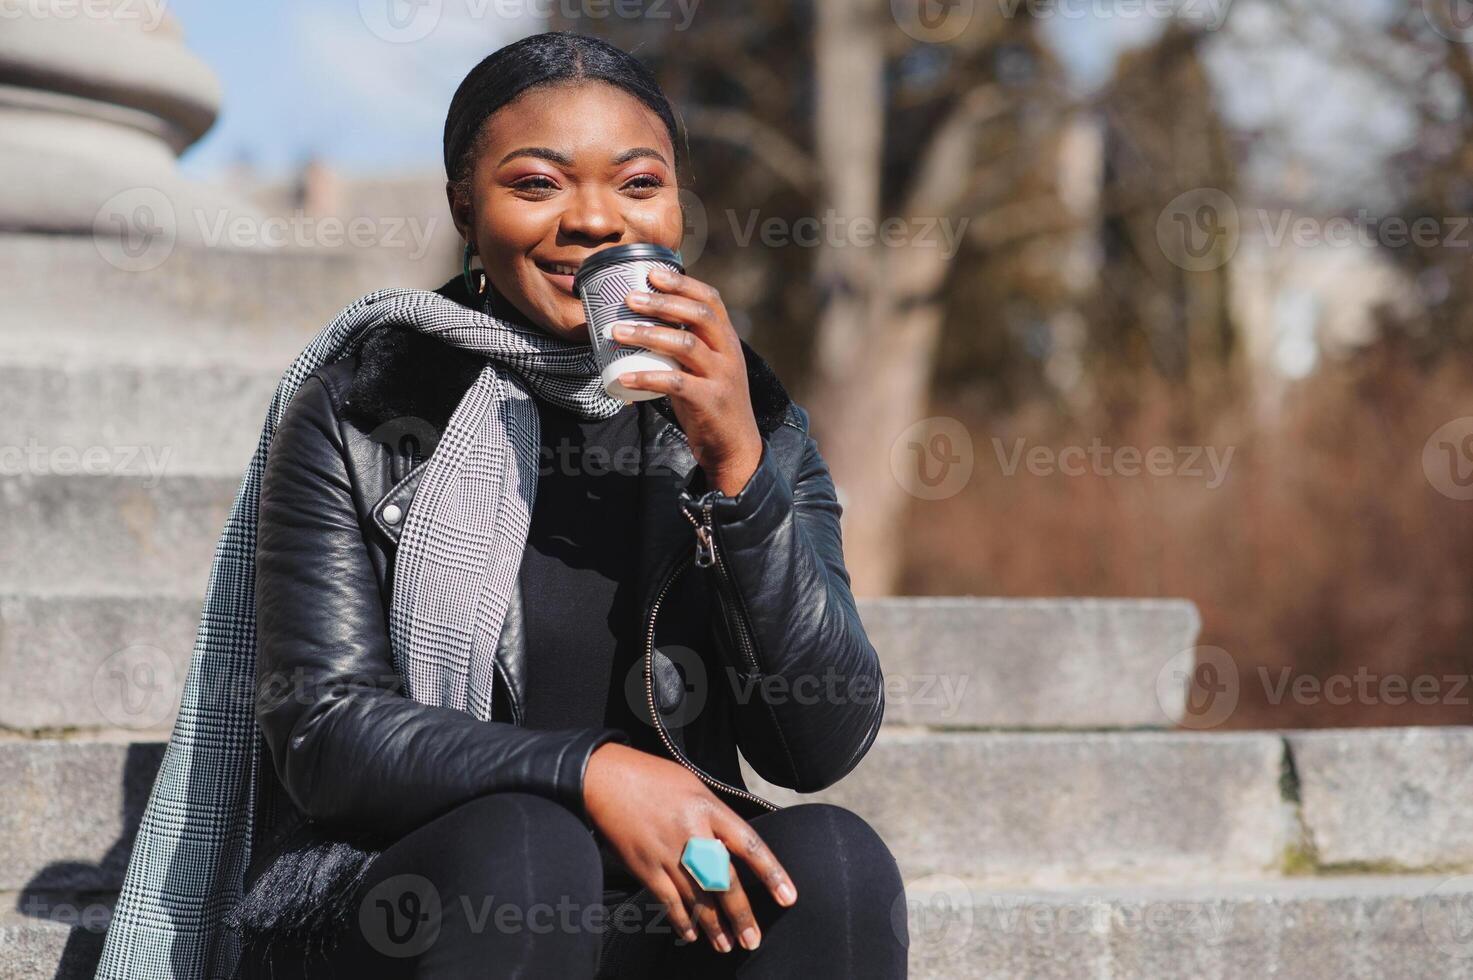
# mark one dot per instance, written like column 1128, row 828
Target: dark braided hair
column 540, row 59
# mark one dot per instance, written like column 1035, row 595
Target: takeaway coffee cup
column 603, row 282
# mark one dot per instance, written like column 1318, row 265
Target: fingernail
column 622, row 331
column 637, row 298
column 691, row 935
column 750, row 938
column 786, row 894
column 722, row 943
column 661, row 273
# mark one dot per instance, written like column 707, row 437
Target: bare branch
column 946, row 161
column 777, row 153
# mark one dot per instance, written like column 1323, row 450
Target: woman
column 680, row 594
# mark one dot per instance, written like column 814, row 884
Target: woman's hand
column 709, row 393
column 647, row 808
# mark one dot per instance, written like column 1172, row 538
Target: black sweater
column 584, row 665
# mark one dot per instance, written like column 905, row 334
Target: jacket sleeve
column 809, row 689
column 350, row 748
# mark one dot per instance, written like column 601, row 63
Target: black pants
column 511, row 885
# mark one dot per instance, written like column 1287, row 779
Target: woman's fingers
column 703, row 909
column 739, row 913
column 683, row 345
column 689, row 301
column 676, row 384
column 676, row 904
column 743, row 841
column 739, row 920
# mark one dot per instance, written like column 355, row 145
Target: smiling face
column 561, row 172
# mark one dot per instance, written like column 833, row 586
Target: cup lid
column 636, row 252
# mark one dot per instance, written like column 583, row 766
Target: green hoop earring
column 465, row 272
column 466, row 267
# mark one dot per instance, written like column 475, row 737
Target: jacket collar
column 403, row 373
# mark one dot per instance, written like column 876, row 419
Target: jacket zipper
column 706, row 547
column 707, row 555
column 649, row 690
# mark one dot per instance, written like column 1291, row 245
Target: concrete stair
column 1002, row 808
column 1048, row 816
column 81, row 534
column 1068, row 807
column 72, row 645
column 66, row 304
column 131, row 414
column 1025, row 854
column 1392, row 927
column 1396, row 927
column 45, row 937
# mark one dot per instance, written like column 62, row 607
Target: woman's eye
column 536, row 182
column 645, row 182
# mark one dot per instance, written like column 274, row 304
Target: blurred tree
column 1418, row 60
column 1168, row 228
column 1434, row 174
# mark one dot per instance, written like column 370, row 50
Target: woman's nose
column 593, row 214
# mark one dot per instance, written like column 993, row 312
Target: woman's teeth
column 560, row 270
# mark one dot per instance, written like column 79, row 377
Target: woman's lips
column 560, row 273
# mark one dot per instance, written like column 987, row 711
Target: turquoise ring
column 708, row 862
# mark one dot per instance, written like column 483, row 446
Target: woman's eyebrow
column 562, row 159
column 637, row 152
column 541, row 152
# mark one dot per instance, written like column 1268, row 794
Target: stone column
column 97, row 98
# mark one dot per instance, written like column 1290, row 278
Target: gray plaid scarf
column 457, row 562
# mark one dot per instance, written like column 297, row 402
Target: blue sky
column 310, row 77
column 329, row 78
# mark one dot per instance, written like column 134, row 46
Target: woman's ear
column 458, row 197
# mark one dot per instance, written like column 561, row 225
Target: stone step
column 1011, row 807
column 1033, row 663
column 91, row 662
column 131, row 533
column 52, row 938
column 118, row 660
column 1007, row 808
column 70, row 811
column 1373, row 928
column 1363, row 927
column 72, row 299
column 1386, row 798
column 131, row 419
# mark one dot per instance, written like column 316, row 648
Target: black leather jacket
column 750, row 591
